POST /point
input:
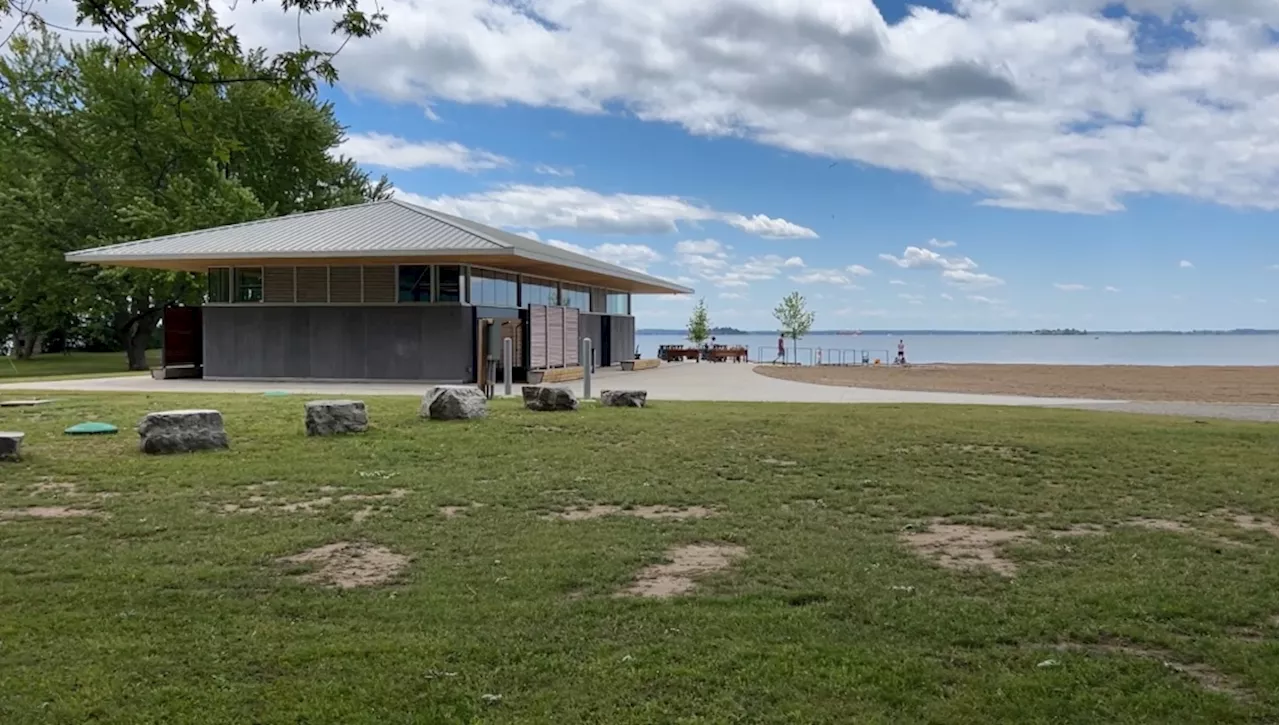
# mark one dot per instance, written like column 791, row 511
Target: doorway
column 605, row 344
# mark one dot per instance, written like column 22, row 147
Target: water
column 1113, row 349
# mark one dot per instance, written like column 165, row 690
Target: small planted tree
column 794, row 319
column 699, row 328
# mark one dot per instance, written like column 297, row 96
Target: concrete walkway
column 679, row 381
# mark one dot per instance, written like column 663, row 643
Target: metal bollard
column 506, row 366
column 585, row 360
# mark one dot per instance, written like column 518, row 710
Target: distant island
column 1062, row 331
column 728, row 331
column 907, row 333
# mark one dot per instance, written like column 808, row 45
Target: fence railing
column 813, row 356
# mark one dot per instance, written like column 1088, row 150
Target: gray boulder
column 624, row 398
column 550, row 398
column 332, row 417
column 181, row 431
column 11, row 445
column 454, row 402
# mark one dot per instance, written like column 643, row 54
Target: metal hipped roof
column 390, row 228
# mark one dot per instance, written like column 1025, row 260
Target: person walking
column 902, row 354
column 782, row 350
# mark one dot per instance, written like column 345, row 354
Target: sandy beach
column 1205, row 384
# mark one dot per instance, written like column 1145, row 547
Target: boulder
column 454, row 402
column 550, row 398
column 529, row 392
column 181, row 431
column 624, row 398
column 10, row 445
column 332, row 417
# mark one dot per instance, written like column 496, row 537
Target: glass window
column 414, row 282
column 248, row 284
column 539, row 292
column 448, row 284
column 572, row 295
column 493, row 289
column 618, row 303
column 219, row 284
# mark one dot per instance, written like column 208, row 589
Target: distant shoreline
column 908, row 333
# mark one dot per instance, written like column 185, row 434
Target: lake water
column 1113, row 349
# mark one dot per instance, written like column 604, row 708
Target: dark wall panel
column 589, row 326
column 341, row 343
column 623, row 334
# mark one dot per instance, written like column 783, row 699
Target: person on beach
column 902, row 354
column 782, row 350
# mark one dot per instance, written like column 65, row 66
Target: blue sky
column 982, row 164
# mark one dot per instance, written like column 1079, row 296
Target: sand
column 1202, row 384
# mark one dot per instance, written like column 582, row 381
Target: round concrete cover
column 90, row 428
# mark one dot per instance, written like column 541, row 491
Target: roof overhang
column 535, row 263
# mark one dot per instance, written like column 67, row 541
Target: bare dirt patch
column 54, row 488
column 1249, row 522
column 1203, row 675
column 46, row 512
column 961, row 546
column 258, row 504
column 347, row 565
column 453, row 512
column 680, row 574
column 778, row 462
column 1177, row 527
column 653, row 513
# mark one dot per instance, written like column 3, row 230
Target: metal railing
column 814, row 356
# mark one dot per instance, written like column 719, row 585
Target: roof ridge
column 264, row 220
column 436, row 215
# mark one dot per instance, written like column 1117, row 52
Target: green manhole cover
column 90, row 428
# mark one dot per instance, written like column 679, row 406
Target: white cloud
column 700, row 246
column 732, row 296
column 897, row 282
column 793, row 262
column 631, row 256
column 912, row 299
column 972, row 280
column 821, row 276
column 573, row 207
column 1109, row 288
column 946, row 296
column 984, row 300
column 1184, row 264
column 941, row 244
column 920, row 258
column 857, row 270
column 393, row 152
column 1070, row 286
column 548, row 170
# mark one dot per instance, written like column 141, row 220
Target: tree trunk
column 136, row 334
column 27, row 345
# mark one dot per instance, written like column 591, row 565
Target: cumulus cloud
column 1184, row 264
column 821, row 276
column 1070, row 286
column 973, row 280
column 920, row 258
column 631, row 256
column 793, row 262
column 392, row 152
column 573, row 207
column 857, row 270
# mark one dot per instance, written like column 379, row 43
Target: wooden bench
column 645, row 364
column 556, row 375
column 723, row 354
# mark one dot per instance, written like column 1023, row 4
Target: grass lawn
column 171, row 601
column 72, row 365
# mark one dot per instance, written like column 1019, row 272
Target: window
column 414, row 283
column 448, row 284
column 248, row 284
column 219, row 284
column 618, row 303
column 539, row 292
column 495, row 289
column 572, row 295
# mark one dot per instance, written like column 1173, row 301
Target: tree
column 101, row 154
column 699, row 328
column 795, row 320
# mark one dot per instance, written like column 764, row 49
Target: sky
column 975, row 164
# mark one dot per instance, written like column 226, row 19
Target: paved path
column 681, row 381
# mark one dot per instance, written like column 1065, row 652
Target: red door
column 183, row 338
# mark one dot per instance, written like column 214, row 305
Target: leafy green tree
column 699, row 327
column 108, row 149
column 794, row 318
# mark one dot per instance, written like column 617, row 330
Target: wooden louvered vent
column 313, row 285
column 537, row 336
column 277, row 284
column 555, row 337
column 380, row 284
column 570, row 336
column 346, row 285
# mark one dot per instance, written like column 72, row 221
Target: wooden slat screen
column 571, row 342
column 380, row 284
column 537, row 336
column 511, row 329
column 345, row 284
column 313, row 285
column 555, row 337
column 277, row 284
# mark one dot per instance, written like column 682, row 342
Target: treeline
column 100, row 145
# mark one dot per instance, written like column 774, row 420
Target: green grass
column 166, row 611
column 56, row 365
